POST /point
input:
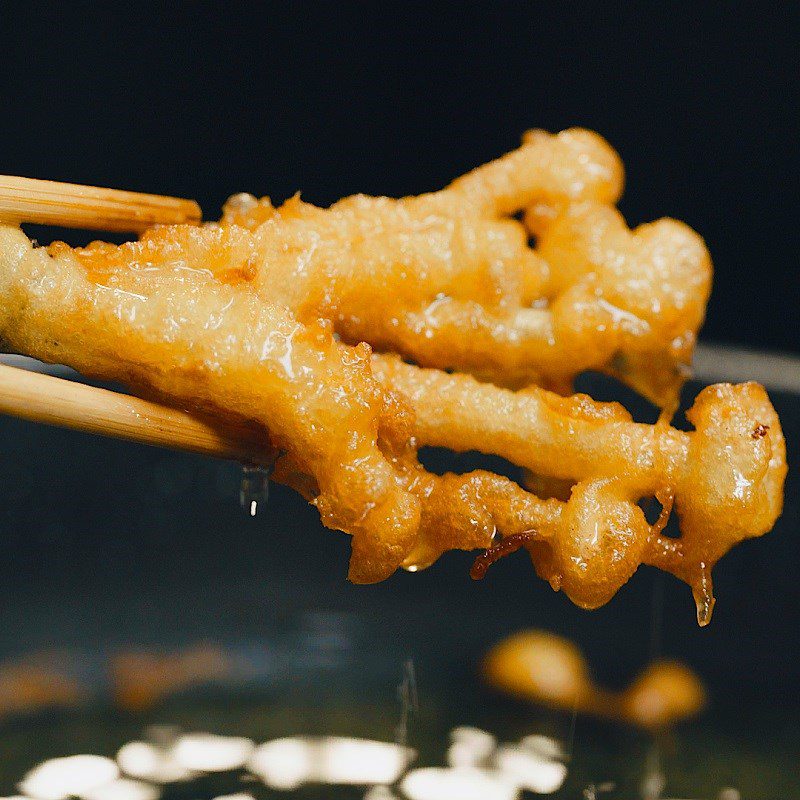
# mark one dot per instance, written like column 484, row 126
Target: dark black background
column 205, row 100
column 336, row 99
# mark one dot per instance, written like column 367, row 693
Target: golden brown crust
column 727, row 485
column 449, row 279
column 269, row 318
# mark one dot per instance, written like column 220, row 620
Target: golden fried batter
column 449, row 279
column 725, row 478
column 170, row 316
column 166, row 326
column 270, row 318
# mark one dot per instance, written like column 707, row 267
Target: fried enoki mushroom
column 449, row 279
column 172, row 316
column 725, row 478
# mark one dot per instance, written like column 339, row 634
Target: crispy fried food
column 168, row 319
column 171, row 316
column 548, row 669
column 270, row 318
column 725, row 478
column 449, row 280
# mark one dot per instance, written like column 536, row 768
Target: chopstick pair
column 55, row 401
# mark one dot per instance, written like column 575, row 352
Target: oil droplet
column 705, row 609
column 703, row 592
column 254, row 489
column 419, row 559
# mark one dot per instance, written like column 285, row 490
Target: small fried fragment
column 505, row 547
column 550, row 670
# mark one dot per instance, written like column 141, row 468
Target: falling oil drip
column 409, row 704
column 594, row 790
column 409, row 709
column 703, row 591
column 573, row 724
column 254, row 489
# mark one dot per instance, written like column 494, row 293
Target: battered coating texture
column 725, row 478
column 270, row 317
column 180, row 316
column 449, row 279
column 168, row 319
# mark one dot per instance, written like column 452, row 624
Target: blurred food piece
column 550, row 670
column 35, row 681
column 141, row 678
column 664, row 693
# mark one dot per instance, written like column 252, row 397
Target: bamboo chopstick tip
column 88, row 207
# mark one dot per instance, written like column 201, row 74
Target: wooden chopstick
column 54, row 401
column 89, row 207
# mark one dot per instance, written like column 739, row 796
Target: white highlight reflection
column 150, row 763
column 122, row 789
column 206, row 752
column 535, row 764
column 544, row 746
column 72, row 776
column 457, row 783
column 529, row 770
column 237, row 796
column 471, row 747
column 283, row 763
column 291, row 762
column 380, row 793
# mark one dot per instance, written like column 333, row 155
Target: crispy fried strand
column 727, row 485
column 449, row 279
